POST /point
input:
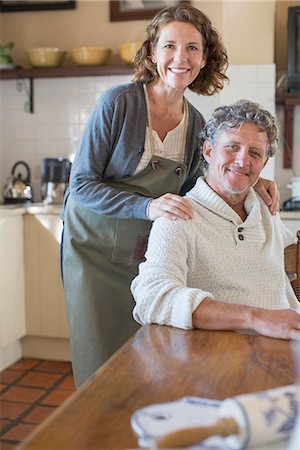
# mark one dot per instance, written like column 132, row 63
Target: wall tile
column 63, row 106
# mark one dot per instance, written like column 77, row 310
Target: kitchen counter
column 30, row 208
column 291, row 220
column 35, row 323
column 290, row 215
column 41, row 208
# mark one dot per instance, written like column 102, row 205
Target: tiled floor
column 30, row 390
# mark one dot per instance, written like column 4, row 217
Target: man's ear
column 207, row 148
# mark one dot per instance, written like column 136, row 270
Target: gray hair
column 234, row 116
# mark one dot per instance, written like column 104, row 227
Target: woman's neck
column 166, row 98
column 166, row 109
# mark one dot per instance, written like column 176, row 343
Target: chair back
column 292, row 264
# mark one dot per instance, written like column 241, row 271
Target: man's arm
column 216, row 315
column 160, row 289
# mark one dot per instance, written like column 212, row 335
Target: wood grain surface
column 161, row 364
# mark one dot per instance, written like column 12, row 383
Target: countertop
column 29, row 208
column 290, row 215
column 41, row 208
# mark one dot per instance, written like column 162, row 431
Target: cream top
column 172, row 147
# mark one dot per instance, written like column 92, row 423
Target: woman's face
column 178, row 54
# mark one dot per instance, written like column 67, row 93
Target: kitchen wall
column 89, row 24
column 63, row 105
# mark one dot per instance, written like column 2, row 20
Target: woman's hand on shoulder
column 170, row 206
column 268, row 190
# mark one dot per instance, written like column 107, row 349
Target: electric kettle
column 18, row 188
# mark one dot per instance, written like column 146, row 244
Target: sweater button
column 240, row 229
column 241, row 237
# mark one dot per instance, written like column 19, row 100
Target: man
column 224, row 268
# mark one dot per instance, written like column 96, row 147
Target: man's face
column 236, row 160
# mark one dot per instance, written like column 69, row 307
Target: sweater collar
column 205, row 196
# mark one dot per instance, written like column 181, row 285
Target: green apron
column 100, row 259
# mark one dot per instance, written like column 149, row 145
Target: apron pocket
column 130, row 241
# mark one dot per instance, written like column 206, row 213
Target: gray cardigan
column 111, row 148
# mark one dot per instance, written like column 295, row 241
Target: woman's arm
column 106, row 151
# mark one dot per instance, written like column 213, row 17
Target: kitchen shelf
column 21, row 74
column 58, row 72
column 289, row 100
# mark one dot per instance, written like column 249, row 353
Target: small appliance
column 18, row 188
column 55, row 179
column 293, row 203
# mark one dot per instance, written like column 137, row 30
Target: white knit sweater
column 206, row 257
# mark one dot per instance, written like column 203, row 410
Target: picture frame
column 16, row 6
column 138, row 9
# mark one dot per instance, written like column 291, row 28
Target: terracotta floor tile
column 8, row 376
column 21, row 387
column 22, row 394
column 19, row 432
column 25, row 364
column 9, row 410
column 38, row 414
column 6, row 446
column 67, row 384
column 39, row 379
column 3, row 424
column 54, row 366
column 56, row 397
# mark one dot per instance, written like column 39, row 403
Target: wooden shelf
column 282, row 96
column 21, row 74
column 289, row 100
column 58, row 72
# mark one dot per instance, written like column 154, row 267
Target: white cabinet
column 45, row 306
column 291, row 220
column 12, row 298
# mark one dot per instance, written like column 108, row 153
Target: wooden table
column 160, row 364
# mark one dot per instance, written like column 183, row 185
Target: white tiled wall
column 62, row 106
column 61, row 109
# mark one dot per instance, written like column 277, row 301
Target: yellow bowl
column 45, row 56
column 90, row 56
column 128, row 51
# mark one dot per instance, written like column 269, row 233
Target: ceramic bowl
column 90, row 56
column 45, row 56
column 128, row 51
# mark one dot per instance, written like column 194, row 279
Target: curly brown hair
column 212, row 76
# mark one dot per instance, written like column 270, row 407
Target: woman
column 137, row 157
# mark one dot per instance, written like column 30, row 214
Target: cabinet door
column 293, row 225
column 45, row 306
column 12, row 293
